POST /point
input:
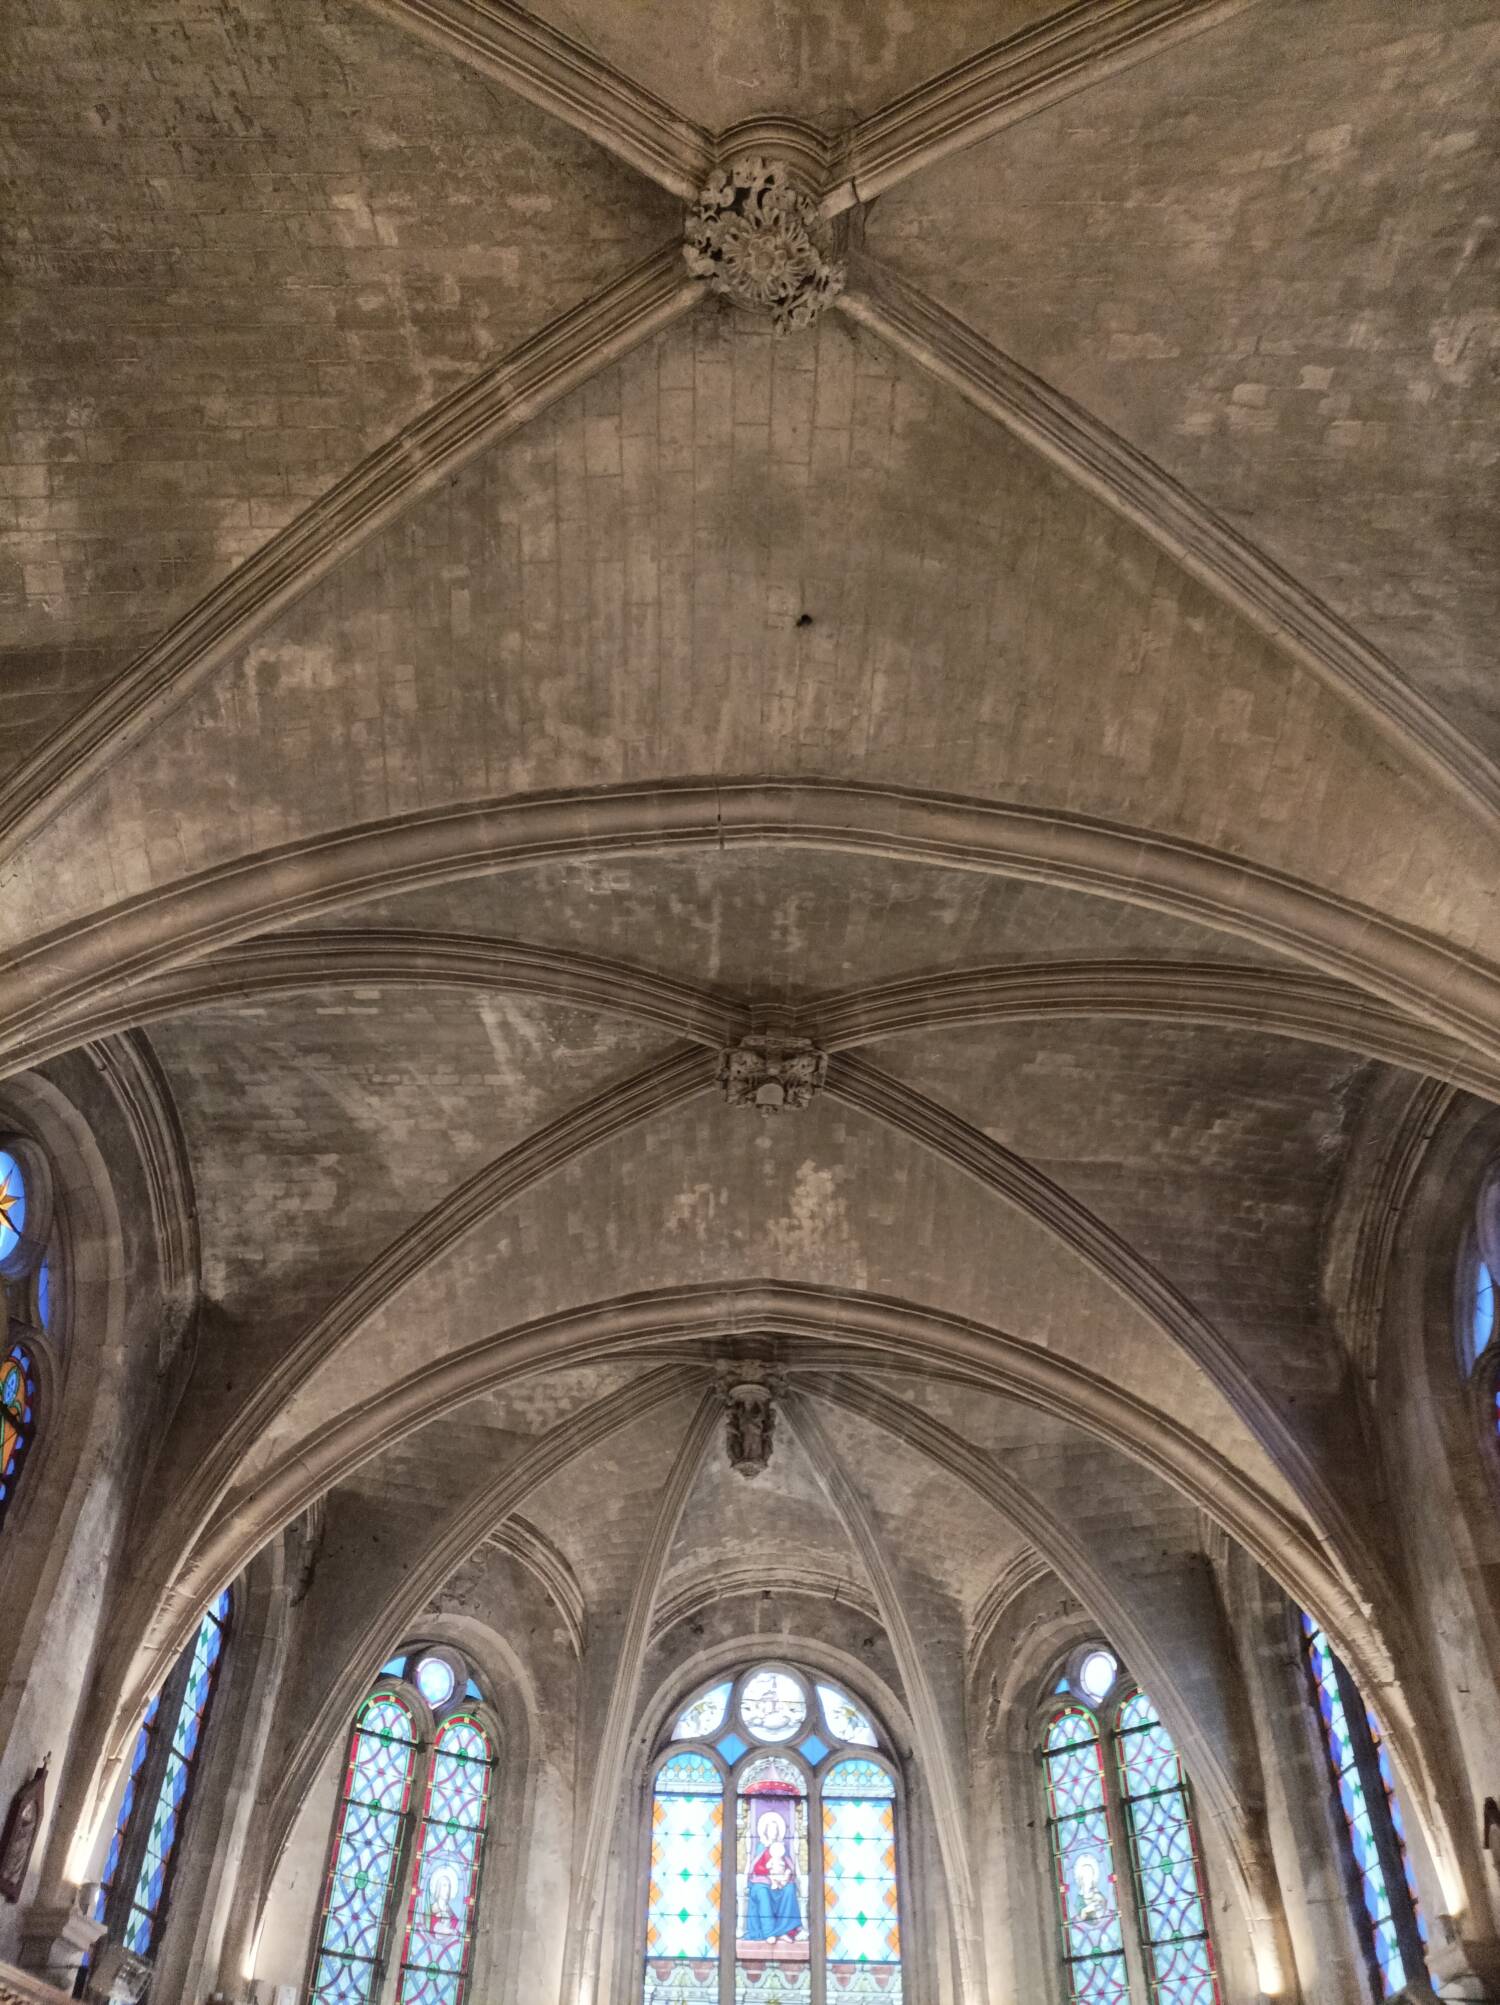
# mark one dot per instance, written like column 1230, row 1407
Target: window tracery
column 802, row 1905
column 1115, row 1789
column 1376, row 1858
column 412, row 1816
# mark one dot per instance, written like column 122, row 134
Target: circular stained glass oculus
column 1097, row 1673
column 772, row 1705
column 12, row 1205
column 436, row 1680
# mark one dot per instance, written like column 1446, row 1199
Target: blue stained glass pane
column 813, row 1749
column 440, row 1916
column 731, row 1747
column 1164, row 1856
column 356, row 1900
column 687, row 1864
column 1359, row 1813
column 394, row 1667
column 12, row 1204
column 1482, row 1318
column 1083, row 1861
column 147, row 1905
column 44, row 1294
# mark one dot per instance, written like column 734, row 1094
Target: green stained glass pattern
column 687, row 1863
column 1164, row 1855
column 1083, row 1862
column 440, row 1915
column 861, row 1907
column 356, row 1896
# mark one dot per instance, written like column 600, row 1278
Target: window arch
column 1374, row 1841
column 1114, row 1790
column 411, row 1820
column 774, row 1859
column 25, row 1302
column 136, row 1888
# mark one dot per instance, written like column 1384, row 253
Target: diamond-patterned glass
column 1083, row 1861
column 445, row 1880
column 861, row 1907
column 1164, row 1855
column 687, row 1864
column 356, row 1896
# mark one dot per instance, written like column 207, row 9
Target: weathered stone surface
column 1277, row 277
column 1092, row 1297
column 243, row 244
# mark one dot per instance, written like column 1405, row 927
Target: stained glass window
column 1482, row 1315
column 803, row 1902
column 704, row 1716
column 1375, row 1844
column 845, row 1718
column 772, row 1705
column 773, row 1936
column 143, row 1854
column 682, row 1909
column 434, row 1678
column 412, row 1813
column 1115, row 1789
column 17, row 1418
column 361, row 1872
column 861, row 1911
column 1083, row 1861
column 1097, row 1674
column 1164, row 1858
column 12, row 1209
column 440, row 1917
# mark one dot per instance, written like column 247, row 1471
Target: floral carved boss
column 758, row 239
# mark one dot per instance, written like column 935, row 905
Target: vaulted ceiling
column 461, row 674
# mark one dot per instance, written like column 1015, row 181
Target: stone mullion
column 1122, row 1843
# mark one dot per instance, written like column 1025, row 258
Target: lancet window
column 1478, row 1304
column 26, row 1305
column 135, row 1889
column 396, row 1925
column 1383, row 1887
column 775, row 1846
column 1131, row 1893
